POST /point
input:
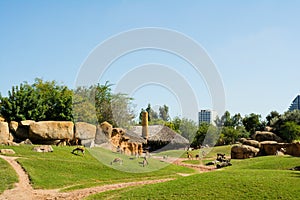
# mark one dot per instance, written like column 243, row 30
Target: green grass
column 210, row 152
column 257, row 178
column 63, row 169
column 8, row 176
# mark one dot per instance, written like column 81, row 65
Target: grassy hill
column 61, row 168
column 257, row 178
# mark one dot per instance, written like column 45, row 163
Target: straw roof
column 161, row 133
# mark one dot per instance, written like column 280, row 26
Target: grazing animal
column 117, row 160
column 189, row 156
column 197, row 157
column 145, row 162
column 82, row 149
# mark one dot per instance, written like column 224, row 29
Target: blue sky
column 254, row 44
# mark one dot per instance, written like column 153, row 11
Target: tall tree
column 252, row 123
column 274, row 115
column 152, row 115
column 103, row 99
column 164, row 113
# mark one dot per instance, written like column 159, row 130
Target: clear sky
column 254, row 44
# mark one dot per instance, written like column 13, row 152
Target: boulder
column 268, row 129
column 266, row 136
column 268, row 148
column 2, row 119
column 26, row 122
column 252, row 143
column 88, row 143
column 293, row 149
column 26, row 142
column 100, row 137
column 21, row 129
column 51, row 130
column 243, row 151
column 7, row 151
column 106, row 128
column 43, row 148
column 4, row 133
column 13, row 126
column 85, row 131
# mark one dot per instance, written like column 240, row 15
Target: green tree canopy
column 43, row 100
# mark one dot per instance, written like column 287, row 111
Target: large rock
column 51, row 130
column 293, row 149
column 26, row 122
column 266, row 136
column 252, row 143
column 43, row 148
column 243, row 152
column 85, row 131
column 269, row 148
column 4, row 133
column 100, row 137
column 2, row 119
column 88, row 143
column 20, row 129
column 106, row 128
column 7, row 151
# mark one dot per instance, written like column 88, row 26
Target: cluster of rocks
column 221, row 161
column 263, row 143
column 50, row 133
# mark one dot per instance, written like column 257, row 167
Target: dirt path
column 178, row 161
column 23, row 190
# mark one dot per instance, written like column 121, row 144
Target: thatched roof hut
column 162, row 137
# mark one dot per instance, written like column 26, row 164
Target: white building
column 208, row 116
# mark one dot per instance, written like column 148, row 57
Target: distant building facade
column 295, row 104
column 208, row 116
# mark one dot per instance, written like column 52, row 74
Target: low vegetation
column 61, row 168
column 8, row 176
column 257, row 178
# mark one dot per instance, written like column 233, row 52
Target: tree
column 290, row 131
column 164, row 113
column 122, row 110
column 252, row 123
column 152, row 115
column 272, row 116
column 84, row 105
column 103, row 99
column 188, row 128
column 43, row 100
column 206, row 135
column 285, row 126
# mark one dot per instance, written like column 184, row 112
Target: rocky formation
column 243, row 151
column 293, row 149
column 51, row 131
column 4, row 133
column 85, row 133
column 266, row 136
column 7, row 151
column 43, row 149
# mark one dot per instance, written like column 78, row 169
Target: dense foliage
column 39, row 101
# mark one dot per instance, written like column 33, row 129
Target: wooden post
column 145, row 133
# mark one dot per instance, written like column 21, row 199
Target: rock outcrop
column 266, row 136
column 51, row 131
column 43, row 149
column 85, row 133
column 7, row 151
column 293, row 149
column 243, row 152
column 4, row 133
